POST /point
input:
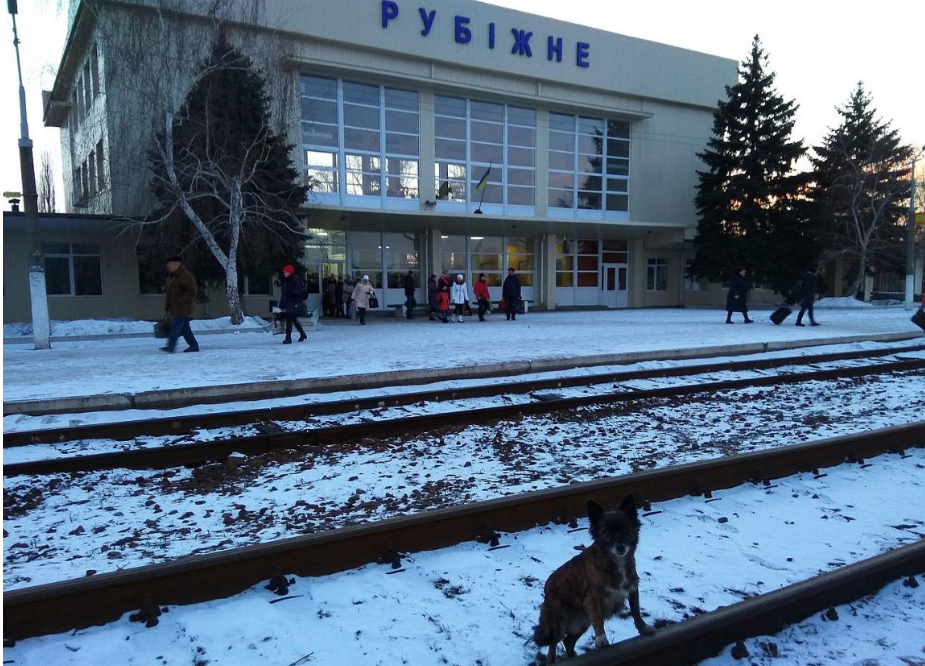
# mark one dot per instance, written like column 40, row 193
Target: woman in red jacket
column 482, row 296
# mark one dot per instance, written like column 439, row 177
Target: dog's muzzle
column 620, row 550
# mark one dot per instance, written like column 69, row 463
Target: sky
column 818, row 50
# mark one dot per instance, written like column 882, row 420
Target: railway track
column 99, row 599
column 175, row 425
column 276, row 437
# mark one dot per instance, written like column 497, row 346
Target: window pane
column 450, row 150
column 56, row 248
column 359, row 93
column 564, row 279
column 361, row 140
column 614, row 257
column 587, row 279
column 589, row 164
column 558, row 121
column 561, row 198
column 361, row 116
column 617, row 184
column 88, row 281
column 58, row 275
column 562, row 141
column 450, row 128
column 487, row 245
column 520, row 116
column 521, row 136
column 521, row 156
column 618, row 167
column 319, row 135
column 450, row 106
column 563, row 181
column 617, row 202
column 587, row 247
column 590, row 145
column 486, row 111
column 562, row 161
column 617, row 148
column 486, row 262
column 401, row 144
column 614, row 245
column 324, row 111
column 488, row 132
column 404, row 100
column 316, row 158
column 487, row 152
column 587, row 262
column 367, row 163
column 85, row 248
column 565, row 263
column 152, row 271
column 520, row 176
column 322, row 180
column 402, row 178
column 521, row 196
column 363, row 184
column 589, row 200
column 617, row 128
column 520, row 245
column 317, row 86
column 592, row 126
column 401, row 121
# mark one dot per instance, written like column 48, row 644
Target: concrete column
column 637, row 273
column 427, row 191
column 542, row 163
column 549, row 271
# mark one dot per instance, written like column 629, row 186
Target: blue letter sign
column 389, row 11
column 521, row 42
column 428, row 20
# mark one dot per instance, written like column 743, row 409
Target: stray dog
column 593, row 585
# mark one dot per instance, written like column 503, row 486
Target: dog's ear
column 628, row 506
column 595, row 511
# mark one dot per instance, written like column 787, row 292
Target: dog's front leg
column 641, row 626
column 593, row 607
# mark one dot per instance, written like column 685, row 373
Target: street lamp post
column 910, row 238
column 40, row 324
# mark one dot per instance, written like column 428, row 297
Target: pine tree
column 860, row 193
column 749, row 201
column 228, row 191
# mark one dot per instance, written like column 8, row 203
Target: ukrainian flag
column 483, row 181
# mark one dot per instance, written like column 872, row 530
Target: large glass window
column 521, row 256
column 577, row 263
column 588, row 163
column 487, row 257
column 453, row 255
column 402, row 254
column 472, row 137
column 73, row 269
column 657, row 275
column 366, row 256
column 152, row 270
column 380, row 129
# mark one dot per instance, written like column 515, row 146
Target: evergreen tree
column 861, row 189
column 229, row 194
column 749, row 201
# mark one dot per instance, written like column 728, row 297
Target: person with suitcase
column 808, row 289
column 738, row 293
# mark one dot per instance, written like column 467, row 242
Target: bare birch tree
column 46, row 184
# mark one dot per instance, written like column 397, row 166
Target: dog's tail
column 543, row 633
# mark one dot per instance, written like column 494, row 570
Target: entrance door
column 613, row 285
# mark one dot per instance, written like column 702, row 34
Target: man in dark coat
column 510, row 292
column 410, row 301
column 808, row 289
column 737, row 296
column 292, row 293
column 181, row 294
column 432, row 289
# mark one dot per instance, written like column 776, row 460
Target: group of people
column 442, row 293
column 737, row 298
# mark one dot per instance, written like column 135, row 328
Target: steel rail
column 61, row 606
column 218, row 450
column 706, row 635
column 127, row 430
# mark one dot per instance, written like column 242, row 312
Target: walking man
column 181, row 294
column 809, row 297
column 510, row 291
column 738, row 295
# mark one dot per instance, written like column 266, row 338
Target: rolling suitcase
column 780, row 314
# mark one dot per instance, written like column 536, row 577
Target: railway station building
column 440, row 136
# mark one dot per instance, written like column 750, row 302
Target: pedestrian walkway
column 342, row 354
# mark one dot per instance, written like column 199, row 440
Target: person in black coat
column 291, row 295
column 510, row 291
column 737, row 296
column 808, row 292
column 410, row 301
column 432, row 289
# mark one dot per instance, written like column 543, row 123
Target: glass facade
column 360, row 140
column 588, row 163
column 473, row 139
column 72, row 269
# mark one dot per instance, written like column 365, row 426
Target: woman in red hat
column 291, row 298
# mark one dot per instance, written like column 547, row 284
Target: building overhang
column 56, row 102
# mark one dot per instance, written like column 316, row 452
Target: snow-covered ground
column 469, row 605
column 343, row 347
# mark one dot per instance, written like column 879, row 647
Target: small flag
column 444, row 191
column 483, row 181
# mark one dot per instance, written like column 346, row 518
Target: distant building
column 443, row 137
